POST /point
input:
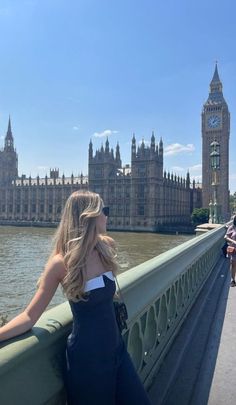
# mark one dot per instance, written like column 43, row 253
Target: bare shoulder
column 56, row 265
column 110, row 241
column 230, row 229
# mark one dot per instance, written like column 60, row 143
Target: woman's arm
column 51, row 277
column 228, row 239
column 228, row 235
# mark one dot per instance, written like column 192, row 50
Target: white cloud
column 177, row 148
column 196, row 168
column 42, row 167
column 2, row 137
column 105, row 133
column 177, row 169
column 198, row 179
column 75, row 128
column 195, row 171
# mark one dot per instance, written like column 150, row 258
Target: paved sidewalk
column 200, row 368
column 223, row 387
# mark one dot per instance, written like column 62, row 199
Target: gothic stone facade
column 27, row 199
column 216, row 127
column 140, row 196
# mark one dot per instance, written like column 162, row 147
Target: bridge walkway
column 200, row 368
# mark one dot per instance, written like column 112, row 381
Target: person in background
column 99, row 369
column 230, row 237
column 224, row 247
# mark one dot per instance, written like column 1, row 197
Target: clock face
column 214, row 121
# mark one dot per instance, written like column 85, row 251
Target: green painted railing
column 159, row 294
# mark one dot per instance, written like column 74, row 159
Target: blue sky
column 71, row 71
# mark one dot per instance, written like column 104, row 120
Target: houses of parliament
column 141, row 195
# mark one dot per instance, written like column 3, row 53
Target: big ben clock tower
column 216, row 128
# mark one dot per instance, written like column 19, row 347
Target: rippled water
column 24, row 252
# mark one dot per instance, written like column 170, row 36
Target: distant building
column 141, row 196
column 216, row 127
column 28, row 199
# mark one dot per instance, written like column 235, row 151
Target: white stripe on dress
column 98, row 282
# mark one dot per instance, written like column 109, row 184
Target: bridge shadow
column 36, row 332
column 185, row 377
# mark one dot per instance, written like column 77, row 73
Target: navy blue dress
column 99, row 368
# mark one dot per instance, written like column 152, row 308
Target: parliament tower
column 216, row 128
column 8, row 159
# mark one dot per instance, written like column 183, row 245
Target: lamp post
column 215, row 166
column 234, row 205
column 210, row 212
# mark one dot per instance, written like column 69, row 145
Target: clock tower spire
column 216, row 94
column 216, row 128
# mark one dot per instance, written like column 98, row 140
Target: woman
column 99, row 369
column 230, row 237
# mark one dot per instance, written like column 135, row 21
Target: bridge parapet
column 158, row 293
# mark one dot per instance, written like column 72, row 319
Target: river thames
column 24, row 252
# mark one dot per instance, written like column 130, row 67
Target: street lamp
column 215, row 166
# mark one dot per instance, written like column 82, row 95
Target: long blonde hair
column 77, row 235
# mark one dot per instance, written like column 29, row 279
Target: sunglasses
column 105, row 211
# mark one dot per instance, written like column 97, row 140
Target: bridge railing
column 158, row 293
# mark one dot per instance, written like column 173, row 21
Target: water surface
column 24, row 252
